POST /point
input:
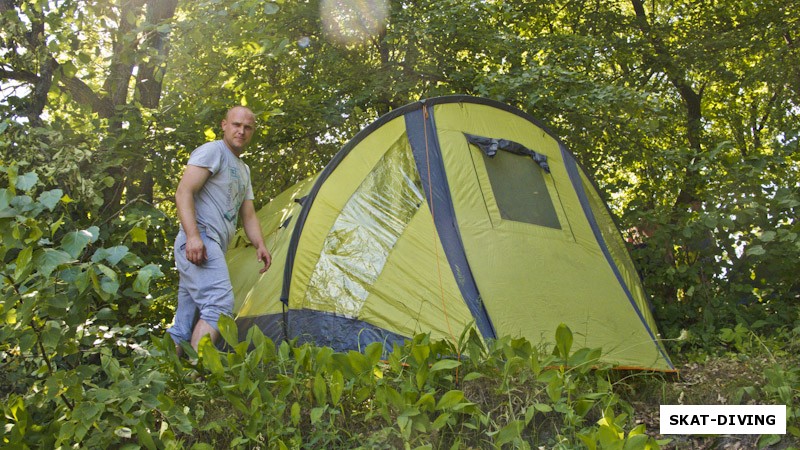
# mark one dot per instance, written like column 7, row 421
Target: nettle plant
column 65, row 348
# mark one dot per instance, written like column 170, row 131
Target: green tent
column 443, row 213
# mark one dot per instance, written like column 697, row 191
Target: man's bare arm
column 193, row 179
column 252, row 228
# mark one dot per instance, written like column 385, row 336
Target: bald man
column 214, row 191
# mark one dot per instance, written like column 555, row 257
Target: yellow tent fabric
column 447, row 213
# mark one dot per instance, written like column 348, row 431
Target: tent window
column 370, row 223
column 518, row 183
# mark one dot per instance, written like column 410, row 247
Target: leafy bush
column 71, row 372
column 424, row 394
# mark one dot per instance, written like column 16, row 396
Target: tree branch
column 85, row 95
column 18, row 75
column 40, row 90
column 691, row 98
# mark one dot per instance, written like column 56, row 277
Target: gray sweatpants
column 205, row 289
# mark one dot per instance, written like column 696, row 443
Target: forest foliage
column 686, row 113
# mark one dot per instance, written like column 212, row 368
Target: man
column 215, row 189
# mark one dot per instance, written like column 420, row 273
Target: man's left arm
column 252, row 228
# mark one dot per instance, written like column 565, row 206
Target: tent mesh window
column 370, row 223
column 520, row 189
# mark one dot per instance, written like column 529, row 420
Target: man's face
column 238, row 128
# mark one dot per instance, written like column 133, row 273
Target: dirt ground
column 718, row 381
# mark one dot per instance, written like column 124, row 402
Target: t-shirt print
column 236, row 191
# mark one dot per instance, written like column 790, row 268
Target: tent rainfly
column 447, row 212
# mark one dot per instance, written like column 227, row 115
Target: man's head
column 237, row 128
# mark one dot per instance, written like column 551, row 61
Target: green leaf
column 638, row 430
column 426, row 402
column 473, row 376
column 336, row 387
column 132, row 260
column 210, row 356
column 768, row 236
column 316, row 414
column 441, row 421
column 509, row 433
column 82, row 280
column 109, row 283
column 295, row 414
column 755, row 250
column 373, row 353
column 542, row 407
column 228, row 329
column 358, row 362
column 450, row 399
column 55, row 226
column 446, row 364
column 109, row 286
column 110, row 366
column 555, row 389
column 113, row 254
column 94, row 232
column 27, row 340
column 589, row 440
column 107, row 271
column 144, row 276
column 47, row 260
column 23, row 262
column 420, row 352
column 202, row 446
column 138, row 235
column 5, row 198
column 34, row 235
column 75, row 242
column 24, row 204
column 69, row 69
column 421, row 377
column 51, row 198
column 51, row 335
column 320, row 389
column 27, row 181
column 563, row 341
column 767, row 440
column 144, row 437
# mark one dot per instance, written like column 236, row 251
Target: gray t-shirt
column 217, row 203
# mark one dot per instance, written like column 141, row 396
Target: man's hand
column 196, row 250
column 263, row 255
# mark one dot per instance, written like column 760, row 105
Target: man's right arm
column 194, row 177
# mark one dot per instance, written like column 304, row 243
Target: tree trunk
column 149, row 81
column 692, row 100
column 151, row 74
